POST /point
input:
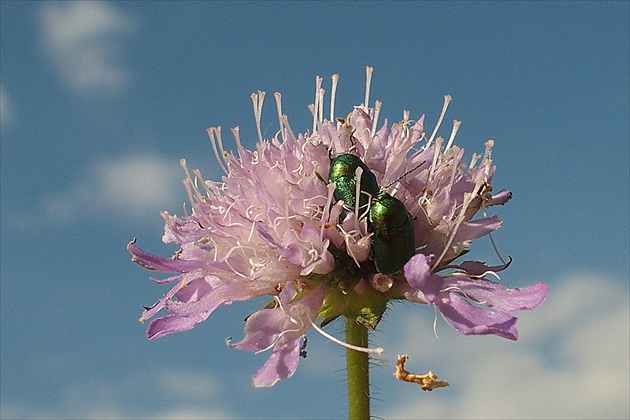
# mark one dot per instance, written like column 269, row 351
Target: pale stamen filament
column 378, row 350
column 275, row 341
column 217, row 131
column 278, row 97
column 282, row 333
column 326, row 213
column 210, row 132
column 333, row 91
column 257, row 102
column 487, row 155
column 237, row 138
column 346, row 238
column 447, row 100
column 170, row 226
column 205, row 184
column 459, row 290
column 194, row 185
column 452, row 179
column 436, row 155
column 287, row 126
column 377, row 111
column 367, row 206
column 368, row 83
column 468, row 197
column 182, row 163
column 238, row 273
column 494, row 245
column 357, row 194
column 315, row 109
column 320, row 116
column 435, row 320
column 456, row 125
column 476, row 276
column 251, row 232
column 473, row 160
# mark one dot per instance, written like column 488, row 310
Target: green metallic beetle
column 393, row 241
column 388, row 219
column 343, row 174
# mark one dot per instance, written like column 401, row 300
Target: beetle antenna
column 403, row 175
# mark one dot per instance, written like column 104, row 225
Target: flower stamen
column 447, row 100
column 278, row 98
column 257, row 101
column 435, row 321
column 213, row 142
column 368, row 83
column 315, row 106
column 468, row 197
column 346, row 238
column 378, row 350
column 333, row 91
column 377, row 111
column 461, row 291
column 456, row 125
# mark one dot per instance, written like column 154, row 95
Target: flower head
column 272, row 227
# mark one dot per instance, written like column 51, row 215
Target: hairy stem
column 358, row 372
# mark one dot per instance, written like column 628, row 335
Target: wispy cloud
column 571, row 361
column 125, row 398
column 83, row 40
column 6, row 108
column 134, row 186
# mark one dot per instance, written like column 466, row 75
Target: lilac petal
column 175, row 322
column 409, row 293
column 281, row 364
column 282, row 327
column 477, row 228
column 197, row 301
column 499, row 198
column 471, row 320
column 201, row 307
column 499, row 297
column 169, row 324
column 197, row 288
column 262, row 329
column 292, row 252
column 155, row 263
column 157, row 307
column 324, row 265
column 418, row 274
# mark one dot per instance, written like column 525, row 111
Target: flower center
column 356, row 292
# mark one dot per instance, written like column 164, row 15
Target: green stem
column 358, row 372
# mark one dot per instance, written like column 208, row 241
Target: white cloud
column 130, row 186
column 6, row 108
column 83, row 41
column 571, row 361
column 111, row 399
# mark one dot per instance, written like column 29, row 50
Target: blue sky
column 99, row 101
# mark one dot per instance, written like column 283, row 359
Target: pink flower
column 271, row 227
column 453, row 294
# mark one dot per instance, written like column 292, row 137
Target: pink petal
column 471, row 320
column 499, row 297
